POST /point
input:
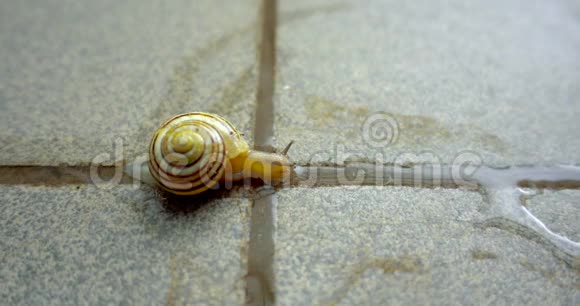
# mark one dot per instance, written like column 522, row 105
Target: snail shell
column 193, row 152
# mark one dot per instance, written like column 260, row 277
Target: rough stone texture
column 406, row 246
column 496, row 77
column 559, row 210
column 77, row 75
column 91, row 246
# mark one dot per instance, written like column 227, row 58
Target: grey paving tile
column 90, row 246
column 496, row 77
column 76, row 75
column 559, row 210
column 405, row 246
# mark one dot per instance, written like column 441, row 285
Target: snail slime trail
column 502, row 189
column 507, row 209
column 194, row 152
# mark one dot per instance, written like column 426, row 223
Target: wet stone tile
column 376, row 246
column 560, row 211
column 76, row 246
column 77, row 76
column 499, row 78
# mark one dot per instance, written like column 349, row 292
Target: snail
column 193, row 152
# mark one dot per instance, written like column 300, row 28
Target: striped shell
column 190, row 152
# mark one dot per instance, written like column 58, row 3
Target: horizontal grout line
column 433, row 176
column 60, row 175
column 304, row 176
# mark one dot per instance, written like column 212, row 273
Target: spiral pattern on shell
column 187, row 154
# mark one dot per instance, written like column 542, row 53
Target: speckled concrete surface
column 90, row 246
column 405, row 246
column 496, row 77
column 76, row 75
column 559, row 210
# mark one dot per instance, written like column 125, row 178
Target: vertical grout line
column 264, row 116
column 260, row 277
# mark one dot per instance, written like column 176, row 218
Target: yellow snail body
column 193, row 152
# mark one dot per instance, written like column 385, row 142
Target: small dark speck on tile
column 405, row 264
column 482, row 255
